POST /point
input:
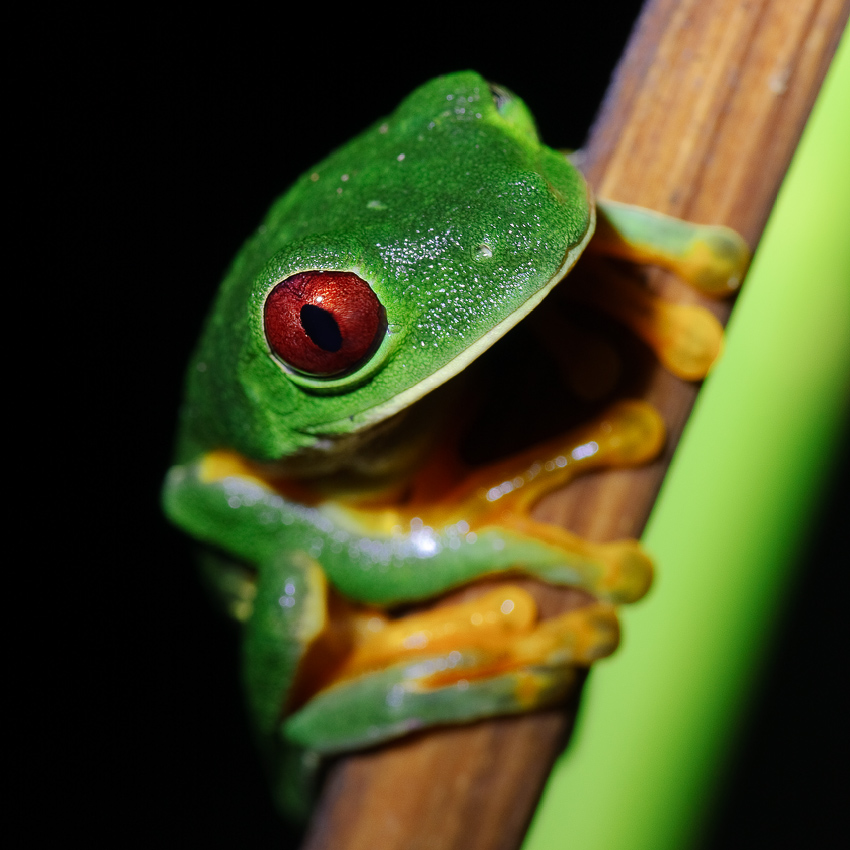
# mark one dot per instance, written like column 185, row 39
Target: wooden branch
column 701, row 120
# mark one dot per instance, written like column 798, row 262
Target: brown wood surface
column 701, row 120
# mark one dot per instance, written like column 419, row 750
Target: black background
column 148, row 154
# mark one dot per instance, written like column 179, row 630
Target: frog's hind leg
column 454, row 664
column 290, row 611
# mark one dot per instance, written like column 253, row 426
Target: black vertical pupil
column 321, row 327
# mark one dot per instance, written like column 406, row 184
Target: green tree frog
column 309, row 456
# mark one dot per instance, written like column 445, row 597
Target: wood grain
column 701, row 120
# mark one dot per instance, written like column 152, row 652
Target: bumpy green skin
column 458, row 218
column 453, row 214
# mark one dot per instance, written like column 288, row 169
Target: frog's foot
column 711, row 258
column 686, row 338
column 628, row 433
column 619, row 571
column 453, row 664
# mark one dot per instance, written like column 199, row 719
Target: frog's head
column 387, row 269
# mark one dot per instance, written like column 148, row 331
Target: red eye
column 323, row 323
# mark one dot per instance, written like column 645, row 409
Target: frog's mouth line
column 404, row 399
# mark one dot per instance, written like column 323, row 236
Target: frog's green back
column 456, row 216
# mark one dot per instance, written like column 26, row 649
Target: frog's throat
column 404, row 399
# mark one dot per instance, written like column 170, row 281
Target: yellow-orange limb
column 500, row 629
column 711, row 258
column 489, row 622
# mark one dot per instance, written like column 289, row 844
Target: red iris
column 323, row 323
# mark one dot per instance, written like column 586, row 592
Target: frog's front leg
column 482, row 526
column 687, row 338
column 385, row 555
column 711, row 258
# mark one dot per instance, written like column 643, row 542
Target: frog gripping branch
column 376, row 280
